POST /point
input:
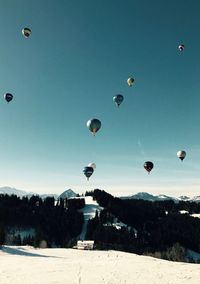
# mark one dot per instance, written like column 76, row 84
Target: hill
column 29, row 265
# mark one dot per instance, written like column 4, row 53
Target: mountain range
column 69, row 193
column 161, row 197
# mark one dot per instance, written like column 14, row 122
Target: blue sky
column 78, row 57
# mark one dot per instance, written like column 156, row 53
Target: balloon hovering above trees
column 8, row 97
column 181, row 47
column 26, row 32
column 118, row 99
column 148, row 166
column 181, row 155
column 130, row 81
column 88, row 171
column 94, row 125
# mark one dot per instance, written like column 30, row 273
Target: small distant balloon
column 93, row 165
column 8, row 97
column 130, row 81
column 88, row 171
column 26, row 32
column 181, row 155
column 148, row 166
column 94, row 125
column 181, row 47
column 118, row 99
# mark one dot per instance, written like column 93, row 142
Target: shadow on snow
column 21, row 251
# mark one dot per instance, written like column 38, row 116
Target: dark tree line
column 56, row 223
column 160, row 226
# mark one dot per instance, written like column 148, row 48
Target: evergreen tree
column 2, row 235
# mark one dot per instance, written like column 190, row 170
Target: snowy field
column 28, row 265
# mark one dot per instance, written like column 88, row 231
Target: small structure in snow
column 89, row 245
column 183, row 212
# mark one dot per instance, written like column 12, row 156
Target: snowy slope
column 89, row 212
column 195, row 215
column 47, row 266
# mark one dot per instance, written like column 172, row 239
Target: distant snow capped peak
column 141, row 195
column 149, row 197
column 69, row 193
column 161, row 197
column 165, row 197
column 13, row 191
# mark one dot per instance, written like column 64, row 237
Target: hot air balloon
column 8, row 97
column 88, row 171
column 118, row 99
column 93, row 165
column 94, row 125
column 130, row 81
column 181, row 155
column 148, row 166
column 26, row 32
column 181, row 47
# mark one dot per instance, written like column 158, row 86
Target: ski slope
column 47, row 266
column 89, row 212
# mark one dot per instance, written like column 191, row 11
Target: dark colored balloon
column 94, row 125
column 118, row 99
column 148, row 166
column 8, row 97
column 88, row 171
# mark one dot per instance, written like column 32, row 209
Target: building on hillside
column 89, row 245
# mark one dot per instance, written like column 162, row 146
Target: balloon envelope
column 26, row 32
column 88, row 171
column 181, row 47
column 181, row 155
column 8, row 97
column 118, row 99
column 93, row 165
column 94, row 125
column 130, row 81
column 148, row 166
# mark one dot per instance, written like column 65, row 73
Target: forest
column 151, row 228
column 55, row 222
column 161, row 228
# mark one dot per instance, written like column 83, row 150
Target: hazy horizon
column 117, row 193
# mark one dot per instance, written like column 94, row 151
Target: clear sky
column 78, row 57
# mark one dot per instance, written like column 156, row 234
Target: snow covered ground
column 195, row 215
column 89, row 212
column 46, row 266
